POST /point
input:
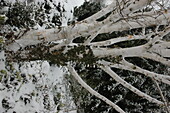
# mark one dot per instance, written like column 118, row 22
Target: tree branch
column 129, row 86
column 93, row 92
column 162, row 96
column 131, row 67
column 119, row 39
column 84, row 28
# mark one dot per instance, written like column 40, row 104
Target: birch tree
column 82, row 42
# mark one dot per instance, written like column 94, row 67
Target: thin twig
column 162, row 96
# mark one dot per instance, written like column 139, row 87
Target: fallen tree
column 83, row 42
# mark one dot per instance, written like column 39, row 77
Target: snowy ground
column 38, row 83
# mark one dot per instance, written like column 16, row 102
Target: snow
column 68, row 6
column 40, row 79
column 2, row 60
column 48, row 79
column 49, row 82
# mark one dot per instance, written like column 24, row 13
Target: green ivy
column 79, row 55
column 2, row 20
column 3, row 72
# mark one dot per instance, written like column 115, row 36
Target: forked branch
column 93, row 92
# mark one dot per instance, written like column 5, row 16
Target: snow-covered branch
column 108, row 70
column 93, row 92
column 157, row 57
column 85, row 29
column 155, row 49
column 159, row 77
column 134, row 68
column 119, row 39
